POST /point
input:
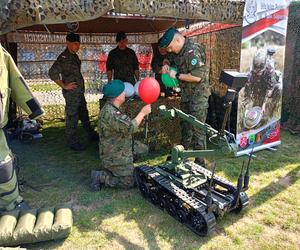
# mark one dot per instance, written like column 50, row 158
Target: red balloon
column 149, row 90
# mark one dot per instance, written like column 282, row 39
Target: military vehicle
column 192, row 194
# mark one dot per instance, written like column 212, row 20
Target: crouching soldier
column 115, row 140
column 13, row 85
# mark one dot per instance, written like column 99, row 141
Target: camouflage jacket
column 191, row 59
column 260, row 87
column 67, row 68
column 123, row 63
column 115, row 133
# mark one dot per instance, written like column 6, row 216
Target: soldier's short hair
column 73, row 37
column 120, row 36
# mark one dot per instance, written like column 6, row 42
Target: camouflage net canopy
column 16, row 14
column 37, row 51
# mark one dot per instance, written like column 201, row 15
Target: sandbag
column 62, row 223
column 34, row 225
column 44, row 222
column 8, row 222
column 23, row 232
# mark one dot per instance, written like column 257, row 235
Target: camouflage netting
column 34, row 58
column 291, row 90
column 16, row 14
column 223, row 11
column 162, row 133
column 222, row 52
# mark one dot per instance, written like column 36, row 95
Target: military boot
column 93, row 136
column 77, row 146
column 22, row 206
column 95, row 183
column 200, row 161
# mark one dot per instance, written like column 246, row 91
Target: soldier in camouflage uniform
column 263, row 89
column 193, row 75
column 66, row 73
column 122, row 62
column 115, row 146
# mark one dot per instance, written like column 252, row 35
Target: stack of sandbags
column 35, row 225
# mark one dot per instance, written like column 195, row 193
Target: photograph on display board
column 262, row 58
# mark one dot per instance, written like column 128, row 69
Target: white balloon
column 129, row 89
column 136, row 88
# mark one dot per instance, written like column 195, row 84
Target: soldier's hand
column 70, row 86
column 165, row 69
column 146, row 109
column 172, row 73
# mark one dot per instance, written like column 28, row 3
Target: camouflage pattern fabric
column 115, row 146
column 123, row 63
column 16, row 14
column 260, row 89
column 223, row 11
column 194, row 96
column 67, row 68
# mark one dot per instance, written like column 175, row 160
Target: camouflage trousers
column 117, row 176
column 76, row 109
column 121, row 175
column 191, row 137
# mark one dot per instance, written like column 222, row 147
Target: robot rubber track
column 188, row 206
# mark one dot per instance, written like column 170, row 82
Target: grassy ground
column 42, row 87
column 122, row 219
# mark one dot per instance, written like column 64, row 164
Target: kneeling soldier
column 115, row 144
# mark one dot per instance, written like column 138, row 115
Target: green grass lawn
column 122, row 219
column 46, row 87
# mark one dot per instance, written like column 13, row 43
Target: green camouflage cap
column 167, row 38
column 113, row 88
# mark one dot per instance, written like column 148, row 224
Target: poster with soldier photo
column 262, row 58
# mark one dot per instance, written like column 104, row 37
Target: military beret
column 72, row 37
column 120, row 36
column 167, row 38
column 113, row 88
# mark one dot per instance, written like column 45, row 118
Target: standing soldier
column 66, row 73
column 115, row 146
column 12, row 84
column 122, row 62
column 195, row 90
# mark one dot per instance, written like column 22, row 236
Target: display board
column 262, row 57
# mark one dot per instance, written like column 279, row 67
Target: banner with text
column 262, row 57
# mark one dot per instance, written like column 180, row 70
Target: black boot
column 95, row 183
column 200, row 161
column 77, row 146
column 22, row 206
column 93, row 136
